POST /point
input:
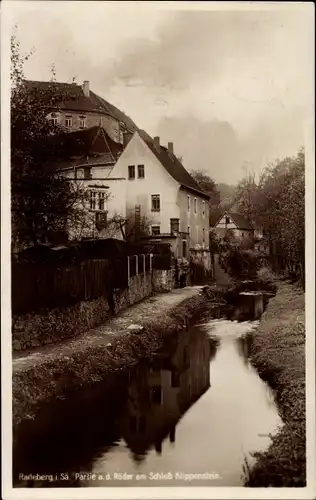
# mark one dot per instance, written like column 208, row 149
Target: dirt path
column 154, row 307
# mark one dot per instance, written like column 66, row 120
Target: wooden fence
column 37, row 286
column 46, row 286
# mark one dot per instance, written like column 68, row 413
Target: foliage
column 42, row 201
column 214, row 242
column 241, row 263
column 278, row 353
column 128, row 228
column 207, row 185
column 276, row 201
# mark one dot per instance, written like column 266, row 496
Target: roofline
column 200, row 193
column 81, row 165
column 99, row 179
column 102, row 111
column 220, row 218
column 232, row 217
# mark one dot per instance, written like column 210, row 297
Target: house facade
column 86, row 158
column 161, row 192
column 82, row 108
column 236, row 224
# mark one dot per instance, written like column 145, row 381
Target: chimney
column 170, row 147
column 157, row 143
column 86, row 88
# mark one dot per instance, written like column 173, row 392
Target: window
column 155, row 230
column 68, row 121
column 87, row 173
column 54, row 119
column 195, row 205
column 101, row 201
column 189, row 203
column 131, row 171
column 141, row 171
column 174, row 225
column 189, row 231
column 227, row 220
column 155, row 202
column 93, row 196
column 82, row 122
column 184, row 249
column 242, row 235
column 203, row 235
column 203, row 209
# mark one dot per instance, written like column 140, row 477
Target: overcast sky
column 230, row 88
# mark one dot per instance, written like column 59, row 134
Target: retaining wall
column 52, row 326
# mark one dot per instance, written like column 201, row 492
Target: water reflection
column 164, row 416
column 138, row 413
column 250, row 306
column 160, row 393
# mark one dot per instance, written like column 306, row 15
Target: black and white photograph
column 158, row 280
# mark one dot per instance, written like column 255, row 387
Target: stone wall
column 163, row 280
column 52, row 326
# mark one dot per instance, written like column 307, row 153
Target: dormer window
column 68, row 121
column 82, row 121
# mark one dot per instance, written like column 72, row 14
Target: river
column 192, row 415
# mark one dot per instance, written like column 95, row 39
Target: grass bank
column 58, row 376
column 279, row 355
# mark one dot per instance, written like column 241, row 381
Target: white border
column 8, row 8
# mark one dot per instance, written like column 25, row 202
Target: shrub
column 241, row 263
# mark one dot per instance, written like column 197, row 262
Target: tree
column 207, row 185
column 128, row 228
column 42, row 201
column 276, row 201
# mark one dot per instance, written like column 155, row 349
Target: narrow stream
column 191, row 415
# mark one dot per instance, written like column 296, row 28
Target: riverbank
column 53, row 372
column 278, row 353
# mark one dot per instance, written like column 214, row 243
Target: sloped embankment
column 44, row 377
column 279, row 356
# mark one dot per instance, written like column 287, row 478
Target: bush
column 241, row 263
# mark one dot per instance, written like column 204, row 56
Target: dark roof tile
column 173, row 166
column 79, row 102
column 72, row 148
column 240, row 221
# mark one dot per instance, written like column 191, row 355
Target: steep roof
column 79, row 102
column 90, row 146
column 240, row 220
column 173, row 166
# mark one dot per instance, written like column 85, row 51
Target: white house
column 164, row 193
column 86, row 158
column 236, row 224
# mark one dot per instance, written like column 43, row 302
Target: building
column 81, row 108
column 161, row 192
column 236, row 224
column 86, row 157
